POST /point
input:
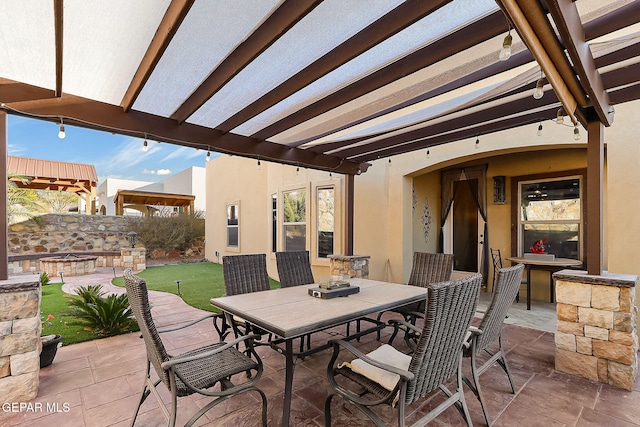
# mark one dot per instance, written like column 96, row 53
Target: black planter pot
column 49, row 349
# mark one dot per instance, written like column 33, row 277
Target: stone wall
column 20, row 327
column 133, row 258
column 350, row 265
column 68, row 233
column 597, row 337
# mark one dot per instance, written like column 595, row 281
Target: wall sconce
column 499, row 189
column 132, row 237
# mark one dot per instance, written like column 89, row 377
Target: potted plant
column 50, row 344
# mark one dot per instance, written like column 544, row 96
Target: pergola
column 331, row 85
column 77, row 178
column 126, row 198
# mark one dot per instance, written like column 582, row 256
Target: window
column 294, row 220
column 274, row 223
column 550, row 212
column 233, row 214
column 325, row 217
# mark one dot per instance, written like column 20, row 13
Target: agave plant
column 104, row 315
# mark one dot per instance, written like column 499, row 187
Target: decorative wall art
column 426, row 219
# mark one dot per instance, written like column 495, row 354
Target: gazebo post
column 595, row 191
column 4, row 256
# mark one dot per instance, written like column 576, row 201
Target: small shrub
column 44, row 279
column 106, row 316
column 166, row 231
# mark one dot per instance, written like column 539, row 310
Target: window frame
column 316, row 211
column 282, row 222
column 227, row 226
column 516, row 209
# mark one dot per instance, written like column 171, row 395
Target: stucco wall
column 232, row 179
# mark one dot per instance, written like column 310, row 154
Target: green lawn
column 199, row 282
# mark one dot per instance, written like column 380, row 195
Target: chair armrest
column 169, row 363
column 475, row 331
column 337, row 344
column 186, row 325
column 396, row 323
column 469, row 338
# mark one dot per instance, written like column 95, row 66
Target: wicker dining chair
column 294, row 268
column 437, row 357
column 496, row 258
column 196, row 371
column 490, row 330
column 427, row 268
column 244, row 274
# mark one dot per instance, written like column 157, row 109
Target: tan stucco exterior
column 386, row 227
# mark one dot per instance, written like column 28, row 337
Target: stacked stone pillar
column 133, row 258
column 597, row 337
column 350, row 265
column 20, row 327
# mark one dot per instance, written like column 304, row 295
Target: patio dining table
column 291, row 312
column 550, row 265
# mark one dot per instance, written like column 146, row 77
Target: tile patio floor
column 100, row 380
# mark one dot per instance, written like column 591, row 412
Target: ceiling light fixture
column 428, row 153
column 560, row 116
column 389, row 161
column 61, row 132
column 477, row 142
column 505, row 52
column 540, row 129
column 208, row 155
column 576, row 132
column 145, row 144
column 538, row 92
column 297, row 170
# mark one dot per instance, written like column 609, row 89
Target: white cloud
column 164, row 171
column 148, row 172
column 183, row 153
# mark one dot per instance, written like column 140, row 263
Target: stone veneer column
column 20, row 327
column 352, row 265
column 133, row 258
column 597, row 337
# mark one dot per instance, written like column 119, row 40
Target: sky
column 114, row 156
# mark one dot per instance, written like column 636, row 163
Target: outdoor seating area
column 99, row 382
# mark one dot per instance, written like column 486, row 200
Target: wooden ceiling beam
column 569, row 26
column 97, row 115
column 391, row 23
column 472, row 34
column 461, row 121
column 171, row 21
column 58, row 17
column 274, row 27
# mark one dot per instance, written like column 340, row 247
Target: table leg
column 288, row 382
column 528, row 287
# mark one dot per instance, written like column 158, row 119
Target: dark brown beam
column 482, row 116
column 274, row 27
column 595, row 190
column 474, row 33
column 58, row 17
column 471, row 132
column 622, row 17
column 171, row 21
column 491, row 70
column 92, row 114
column 4, row 223
column 393, row 22
column 593, row 29
column 565, row 16
column 349, row 213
